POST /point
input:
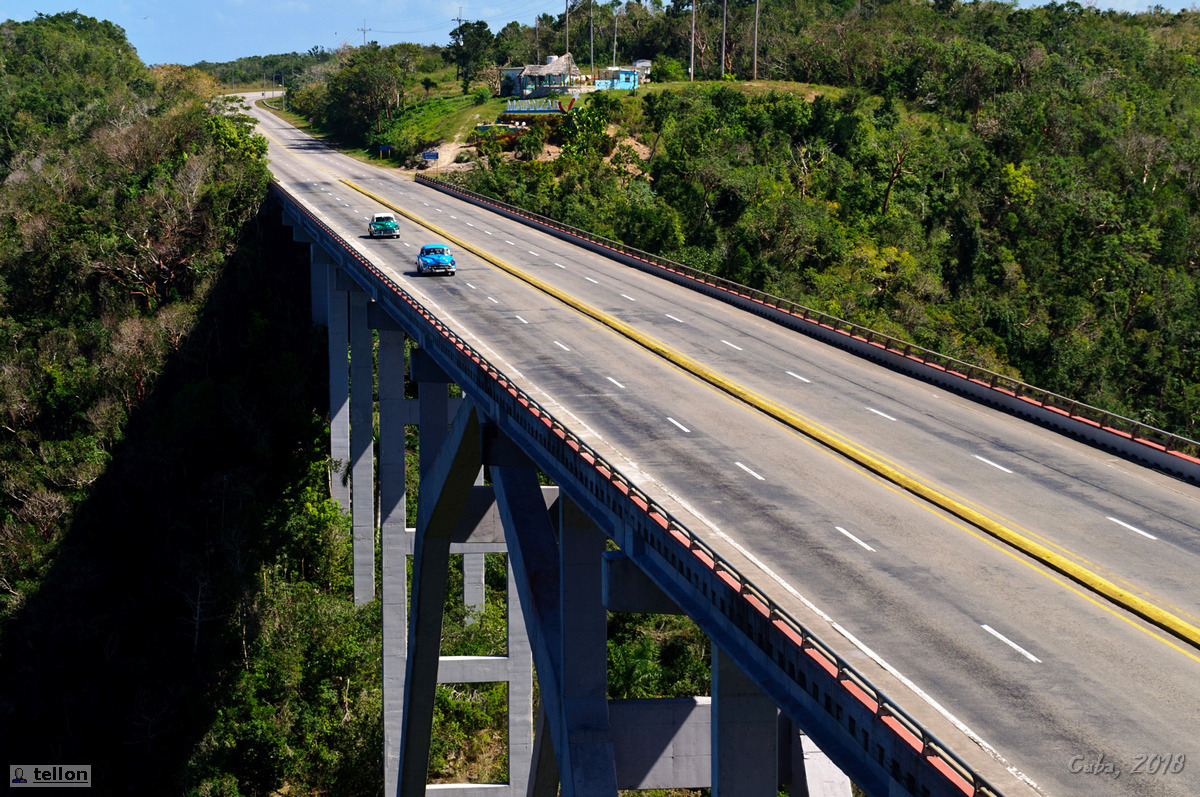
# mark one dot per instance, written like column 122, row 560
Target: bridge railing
column 1099, row 418
column 490, row 387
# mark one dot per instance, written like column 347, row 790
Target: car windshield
column 436, row 250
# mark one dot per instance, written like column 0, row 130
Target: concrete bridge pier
column 745, row 734
column 395, row 412
column 456, row 515
column 558, row 581
column 362, row 443
column 351, row 433
column 337, row 318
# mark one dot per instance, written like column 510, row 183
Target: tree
column 532, row 143
column 471, row 49
column 514, row 44
column 407, row 57
column 365, row 91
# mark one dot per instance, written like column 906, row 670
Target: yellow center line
column 876, row 464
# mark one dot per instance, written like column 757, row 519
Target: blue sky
column 187, row 31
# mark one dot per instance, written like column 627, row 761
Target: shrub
column 667, row 70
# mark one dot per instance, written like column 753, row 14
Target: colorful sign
column 544, row 105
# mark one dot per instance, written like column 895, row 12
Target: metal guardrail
column 1102, row 419
column 482, row 379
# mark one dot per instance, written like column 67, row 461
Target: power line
column 542, row 8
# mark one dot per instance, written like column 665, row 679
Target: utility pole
column 567, row 25
column 537, row 39
column 724, row 6
column 364, row 30
column 692, row 61
column 458, row 41
column 755, row 40
column 592, row 37
column 616, row 5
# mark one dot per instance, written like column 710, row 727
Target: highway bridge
column 947, row 597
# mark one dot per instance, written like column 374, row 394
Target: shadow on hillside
column 119, row 658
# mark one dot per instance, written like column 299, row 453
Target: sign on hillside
column 429, row 156
column 544, row 105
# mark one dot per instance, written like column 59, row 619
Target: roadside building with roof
column 617, row 77
column 558, row 75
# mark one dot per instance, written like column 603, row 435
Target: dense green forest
column 1016, row 187
column 170, row 566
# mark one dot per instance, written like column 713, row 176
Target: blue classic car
column 435, row 259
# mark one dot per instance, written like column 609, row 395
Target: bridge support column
column 467, row 524
column 745, row 733
column 473, row 584
column 319, row 263
column 584, row 652
column 448, row 470
column 473, row 573
column 338, row 315
column 560, row 593
column 394, row 413
column 362, row 454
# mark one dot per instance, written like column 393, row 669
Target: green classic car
column 383, row 225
